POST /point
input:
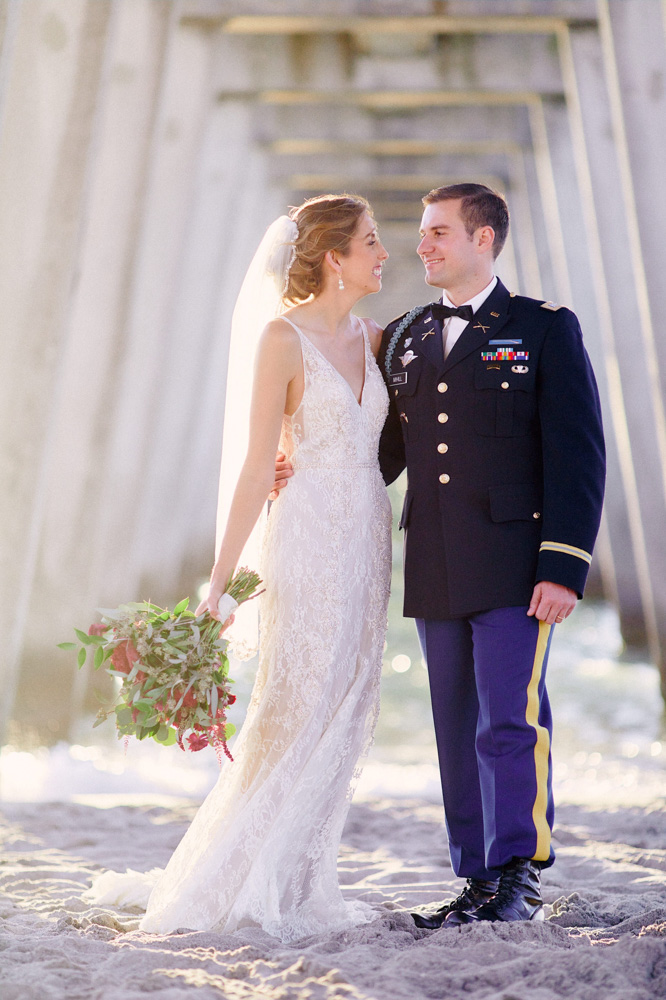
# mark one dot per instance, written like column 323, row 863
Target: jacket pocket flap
column 506, row 376
column 522, row 502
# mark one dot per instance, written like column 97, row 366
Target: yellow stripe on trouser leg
column 541, row 748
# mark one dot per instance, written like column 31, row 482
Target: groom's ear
column 484, row 237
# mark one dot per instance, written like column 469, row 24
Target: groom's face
column 448, row 253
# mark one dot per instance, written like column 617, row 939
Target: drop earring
column 341, row 284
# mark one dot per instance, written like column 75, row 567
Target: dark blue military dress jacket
column 503, row 445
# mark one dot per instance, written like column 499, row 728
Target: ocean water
column 609, row 742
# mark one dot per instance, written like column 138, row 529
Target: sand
column 604, row 937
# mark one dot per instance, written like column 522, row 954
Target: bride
column 262, row 850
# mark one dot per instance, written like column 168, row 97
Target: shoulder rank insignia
column 553, row 306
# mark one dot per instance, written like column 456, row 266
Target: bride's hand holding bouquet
column 222, row 598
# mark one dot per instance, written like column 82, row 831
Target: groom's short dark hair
column 480, row 206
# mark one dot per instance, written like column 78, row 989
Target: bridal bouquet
column 173, row 668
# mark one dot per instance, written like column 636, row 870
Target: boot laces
column 507, row 884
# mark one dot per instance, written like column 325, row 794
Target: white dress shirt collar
column 478, row 299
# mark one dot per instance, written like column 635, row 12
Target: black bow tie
column 440, row 311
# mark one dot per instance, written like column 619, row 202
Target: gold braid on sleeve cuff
column 567, row 550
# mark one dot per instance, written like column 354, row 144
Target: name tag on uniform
column 400, row 378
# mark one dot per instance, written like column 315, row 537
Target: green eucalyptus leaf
column 69, row 646
column 180, row 607
column 81, row 658
column 99, row 658
column 83, row 637
column 165, row 735
column 97, row 640
column 229, row 730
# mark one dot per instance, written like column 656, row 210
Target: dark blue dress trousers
column 493, row 728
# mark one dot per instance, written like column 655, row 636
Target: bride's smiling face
column 361, row 267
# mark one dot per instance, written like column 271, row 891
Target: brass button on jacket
column 443, row 417
column 442, row 387
column 444, row 478
column 442, row 448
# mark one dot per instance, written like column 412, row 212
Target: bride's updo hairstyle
column 325, row 223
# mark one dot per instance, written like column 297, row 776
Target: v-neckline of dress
column 359, row 402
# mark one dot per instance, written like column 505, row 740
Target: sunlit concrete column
column 233, row 205
column 183, row 102
column 52, row 65
column 66, row 582
column 637, row 408
column 633, row 36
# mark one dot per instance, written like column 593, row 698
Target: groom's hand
column 552, row 603
column 283, row 470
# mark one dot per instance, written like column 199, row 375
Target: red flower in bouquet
column 124, row 656
column 98, row 628
column 190, row 699
column 197, row 741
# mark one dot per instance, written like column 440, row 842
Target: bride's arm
column 277, row 364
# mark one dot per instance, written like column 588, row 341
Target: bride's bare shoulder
column 280, row 346
column 280, row 334
column 375, row 332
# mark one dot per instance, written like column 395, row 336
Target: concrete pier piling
column 144, row 147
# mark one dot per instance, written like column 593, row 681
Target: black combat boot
column 517, row 898
column 476, row 892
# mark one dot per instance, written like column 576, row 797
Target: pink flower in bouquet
column 124, row 656
column 98, row 628
column 197, row 741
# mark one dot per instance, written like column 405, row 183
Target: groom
column 495, row 415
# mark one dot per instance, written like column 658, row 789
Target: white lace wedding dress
column 262, row 850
